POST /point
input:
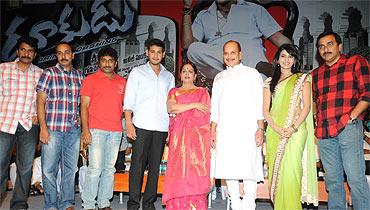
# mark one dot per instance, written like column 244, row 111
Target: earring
column 278, row 65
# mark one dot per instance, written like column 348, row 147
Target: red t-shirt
column 106, row 100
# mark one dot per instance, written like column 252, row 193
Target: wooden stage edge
column 121, row 185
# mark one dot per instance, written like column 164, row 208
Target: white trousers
column 250, row 190
column 81, row 177
column 36, row 172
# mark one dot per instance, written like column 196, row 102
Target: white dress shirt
column 146, row 96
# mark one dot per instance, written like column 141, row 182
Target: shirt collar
column 341, row 60
column 60, row 67
column 30, row 68
column 235, row 67
column 100, row 74
column 213, row 8
column 161, row 67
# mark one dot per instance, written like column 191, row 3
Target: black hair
column 156, row 42
column 63, row 42
column 108, row 51
column 326, row 33
column 179, row 82
column 27, row 40
column 291, row 50
column 191, row 64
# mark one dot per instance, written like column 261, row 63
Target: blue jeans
column 62, row 149
column 345, row 152
column 26, row 144
column 99, row 177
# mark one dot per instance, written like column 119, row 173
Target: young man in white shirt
column 147, row 123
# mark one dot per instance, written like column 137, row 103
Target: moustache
column 325, row 53
column 63, row 59
column 26, row 57
column 107, row 67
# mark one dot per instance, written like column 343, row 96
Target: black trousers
column 147, row 152
column 120, row 162
column 26, row 145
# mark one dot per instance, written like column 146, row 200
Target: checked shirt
column 336, row 90
column 63, row 97
column 17, row 96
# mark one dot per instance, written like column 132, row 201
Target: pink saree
column 187, row 180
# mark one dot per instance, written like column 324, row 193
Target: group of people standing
column 59, row 107
column 329, row 103
column 45, row 105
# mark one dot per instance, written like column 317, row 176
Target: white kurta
column 236, row 105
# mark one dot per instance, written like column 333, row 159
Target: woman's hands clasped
column 201, row 107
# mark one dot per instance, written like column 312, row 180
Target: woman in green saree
column 290, row 139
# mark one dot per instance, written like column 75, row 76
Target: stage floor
column 36, row 203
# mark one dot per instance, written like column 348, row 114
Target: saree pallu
column 187, row 179
column 292, row 162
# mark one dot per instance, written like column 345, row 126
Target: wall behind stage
column 349, row 18
column 126, row 24
column 89, row 25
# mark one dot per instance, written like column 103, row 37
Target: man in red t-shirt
column 102, row 95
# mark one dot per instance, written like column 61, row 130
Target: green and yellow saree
column 292, row 161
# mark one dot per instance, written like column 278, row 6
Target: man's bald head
column 232, row 53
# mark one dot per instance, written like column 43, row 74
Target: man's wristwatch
column 351, row 120
column 186, row 11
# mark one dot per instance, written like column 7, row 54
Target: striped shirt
column 17, row 96
column 63, row 97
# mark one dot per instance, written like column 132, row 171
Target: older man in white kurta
column 237, row 127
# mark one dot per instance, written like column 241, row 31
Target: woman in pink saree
column 187, row 179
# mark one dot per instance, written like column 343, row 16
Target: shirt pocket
column 75, row 87
column 9, row 86
column 247, row 20
column 31, row 89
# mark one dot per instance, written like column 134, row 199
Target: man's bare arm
column 41, row 114
column 279, row 39
column 130, row 129
column 360, row 107
column 85, row 135
column 186, row 30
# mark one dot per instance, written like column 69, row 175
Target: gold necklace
column 218, row 32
